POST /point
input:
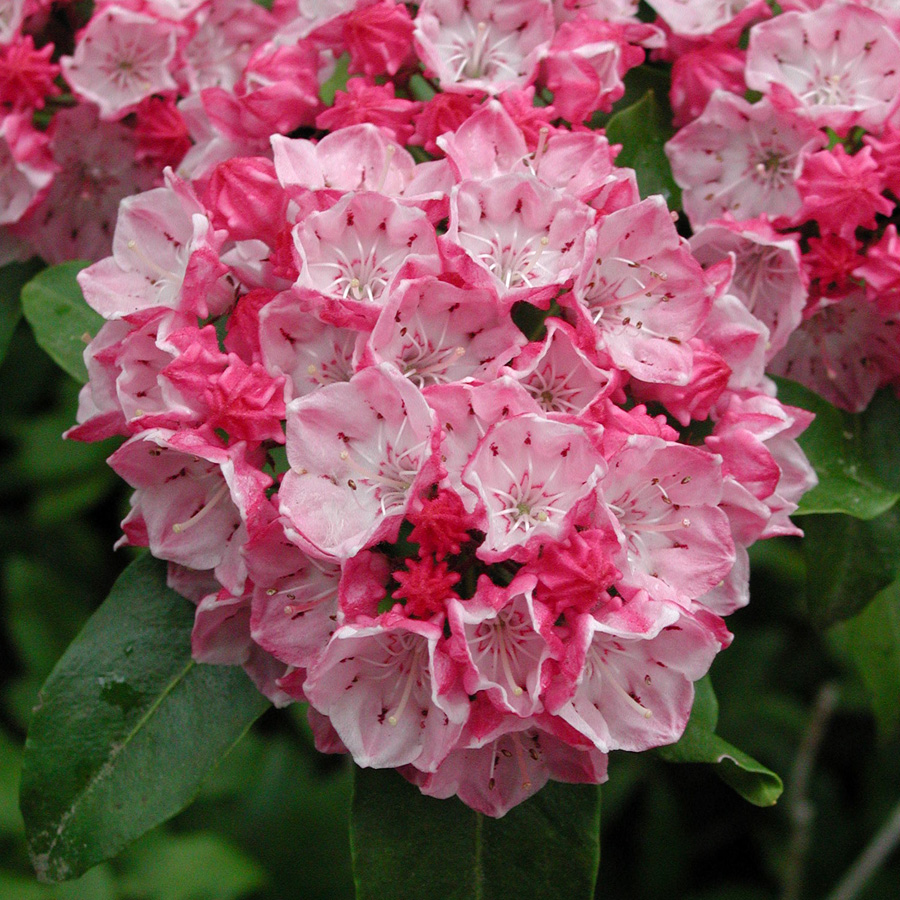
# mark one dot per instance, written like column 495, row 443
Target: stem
column 799, row 807
column 871, row 859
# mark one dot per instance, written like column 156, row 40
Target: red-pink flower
column 375, row 103
column 842, row 192
column 27, row 77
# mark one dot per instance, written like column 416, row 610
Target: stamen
column 520, row 762
column 390, row 150
column 539, row 151
column 636, row 705
column 394, row 717
column 201, row 513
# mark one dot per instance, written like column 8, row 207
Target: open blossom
column 835, row 66
column 121, row 58
column 740, row 158
column 483, row 46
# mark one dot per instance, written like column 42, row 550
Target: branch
column 799, row 807
column 870, row 860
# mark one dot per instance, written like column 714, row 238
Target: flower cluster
column 464, row 452
column 798, row 183
column 91, row 111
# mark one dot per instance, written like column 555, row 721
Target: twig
column 870, row 860
column 799, row 807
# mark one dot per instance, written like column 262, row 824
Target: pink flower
column 183, row 479
column 96, row 168
column 389, row 690
column 11, row 15
column 373, row 103
column 635, row 690
column 482, row 46
column 359, row 453
column 722, row 21
column 698, row 74
column 121, row 58
column 442, row 114
column 562, row 376
column 494, row 774
column 378, row 36
column 434, row 333
column 353, row 252
column 664, row 497
column 164, row 255
column 496, row 637
column 27, row 77
column 278, row 91
column 621, row 298
column 26, row 167
column 585, row 65
column 162, row 136
column 529, row 238
column 881, row 270
column 294, row 606
column 740, row 158
column 836, row 66
column 532, row 478
column 767, row 276
column 845, row 351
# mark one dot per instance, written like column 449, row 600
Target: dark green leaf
column 643, row 130
column 700, row 744
column 12, row 278
column 55, row 308
column 848, row 561
column 407, row 846
column 127, row 727
column 836, row 444
column 872, row 642
column 638, row 81
column 881, row 436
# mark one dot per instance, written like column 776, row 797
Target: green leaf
column 126, row 728
column 848, row 561
column 338, row 80
column 871, row 640
column 12, row 278
column 407, row 846
column 643, row 129
column 700, row 744
column 56, row 310
column 837, row 445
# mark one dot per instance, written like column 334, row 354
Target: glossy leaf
column 407, row 846
column 12, row 277
column 56, row 310
column 848, row 561
column 838, row 446
column 700, row 744
column 643, row 129
column 871, row 640
column 127, row 727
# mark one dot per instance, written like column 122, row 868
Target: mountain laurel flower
column 384, row 414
